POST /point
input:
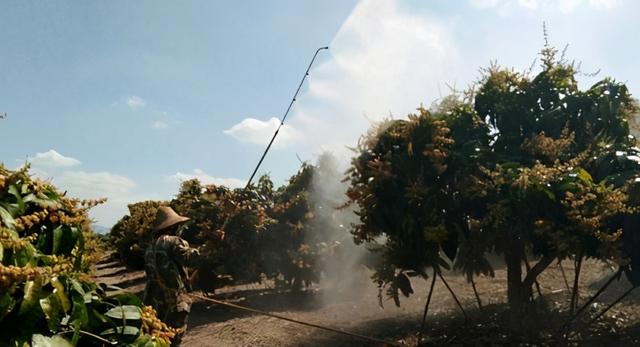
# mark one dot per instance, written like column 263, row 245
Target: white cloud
column 253, row 130
column 52, row 158
column 136, row 102
column 36, row 171
column 159, row 125
column 484, row 3
column 119, row 191
column 207, row 179
column 94, row 184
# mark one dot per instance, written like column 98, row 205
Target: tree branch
column 537, row 270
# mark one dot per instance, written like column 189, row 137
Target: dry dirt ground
column 357, row 310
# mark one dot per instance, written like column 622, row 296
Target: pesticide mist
column 344, row 272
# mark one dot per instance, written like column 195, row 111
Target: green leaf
column 57, row 239
column 127, row 312
column 13, row 190
column 548, row 193
column 126, row 330
column 79, row 243
column 443, row 263
column 64, row 239
column 52, row 194
column 125, row 298
column 404, row 284
column 32, row 291
column 24, row 188
column 584, row 176
column 149, row 341
column 79, row 314
column 52, row 310
column 88, row 297
column 25, row 256
column 38, row 340
column 7, row 303
column 61, row 293
column 44, row 203
column 6, row 217
column 77, row 287
column 96, row 316
column 144, row 341
column 29, row 198
column 567, row 186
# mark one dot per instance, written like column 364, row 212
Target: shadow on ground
column 486, row 327
column 269, row 300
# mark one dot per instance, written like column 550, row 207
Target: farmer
column 165, row 262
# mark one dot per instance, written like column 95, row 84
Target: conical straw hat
column 166, row 217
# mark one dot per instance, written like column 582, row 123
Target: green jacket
column 165, row 262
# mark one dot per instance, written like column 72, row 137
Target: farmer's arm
column 186, row 255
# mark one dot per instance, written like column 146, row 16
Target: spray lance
column 306, row 73
column 264, row 154
column 284, row 117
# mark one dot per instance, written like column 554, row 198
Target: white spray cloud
column 342, row 277
column 389, row 57
column 606, row 4
column 530, row 4
column 506, row 7
column 385, row 59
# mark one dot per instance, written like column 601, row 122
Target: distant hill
column 99, row 229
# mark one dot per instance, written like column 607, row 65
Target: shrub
column 46, row 296
column 521, row 164
column 132, row 235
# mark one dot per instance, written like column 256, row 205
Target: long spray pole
column 306, row 73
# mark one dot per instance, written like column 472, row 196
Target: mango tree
column 132, row 234
column 47, row 297
column 521, row 164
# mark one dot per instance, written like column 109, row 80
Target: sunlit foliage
column 46, row 252
column 518, row 165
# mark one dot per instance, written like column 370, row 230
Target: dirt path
column 357, row 310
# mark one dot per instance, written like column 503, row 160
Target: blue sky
column 123, row 99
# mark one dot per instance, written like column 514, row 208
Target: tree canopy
column 520, row 164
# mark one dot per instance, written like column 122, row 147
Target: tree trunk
column 519, row 289
column 535, row 280
column 475, row 292
column 513, row 260
column 575, row 294
column 426, row 306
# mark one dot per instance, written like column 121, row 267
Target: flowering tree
column 521, row 164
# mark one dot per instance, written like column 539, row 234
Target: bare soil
column 356, row 309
